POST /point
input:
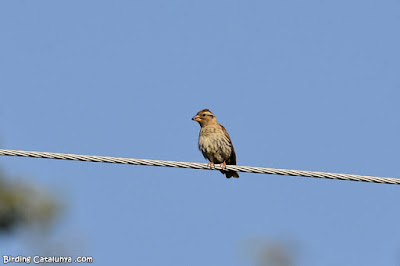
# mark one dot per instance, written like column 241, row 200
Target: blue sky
column 310, row 85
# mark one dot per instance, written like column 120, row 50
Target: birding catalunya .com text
column 7, row 259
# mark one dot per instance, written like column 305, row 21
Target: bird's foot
column 211, row 165
column 223, row 165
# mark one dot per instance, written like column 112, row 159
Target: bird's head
column 205, row 118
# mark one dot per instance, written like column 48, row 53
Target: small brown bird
column 214, row 142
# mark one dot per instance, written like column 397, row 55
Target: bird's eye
column 203, row 114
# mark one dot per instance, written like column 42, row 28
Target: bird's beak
column 196, row 118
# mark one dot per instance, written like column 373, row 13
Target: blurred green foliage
column 270, row 252
column 24, row 205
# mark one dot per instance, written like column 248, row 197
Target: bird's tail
column 229, row 174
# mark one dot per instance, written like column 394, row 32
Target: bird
column 215, row 143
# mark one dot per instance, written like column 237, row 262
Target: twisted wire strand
column 246, row 169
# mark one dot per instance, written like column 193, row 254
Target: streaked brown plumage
column 214, row 142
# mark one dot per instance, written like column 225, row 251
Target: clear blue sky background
column 311, row 85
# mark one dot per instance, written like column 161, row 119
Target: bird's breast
column 214, row 144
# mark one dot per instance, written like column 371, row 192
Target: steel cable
column 246, row 169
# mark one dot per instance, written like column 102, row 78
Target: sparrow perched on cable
column 214, row 142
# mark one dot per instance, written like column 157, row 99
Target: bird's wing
column 232, row 158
